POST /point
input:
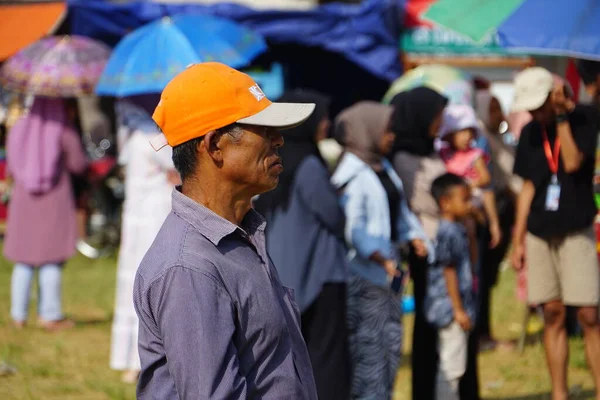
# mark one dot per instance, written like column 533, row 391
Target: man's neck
column 220, row 199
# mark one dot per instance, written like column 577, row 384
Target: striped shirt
column 215, row 321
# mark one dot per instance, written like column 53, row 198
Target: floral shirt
column 451, row 250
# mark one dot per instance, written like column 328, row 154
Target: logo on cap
column 257, row 92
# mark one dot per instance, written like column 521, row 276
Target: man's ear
column 212, row 145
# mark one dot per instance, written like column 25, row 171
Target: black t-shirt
column 576, row 209
column 393, row 196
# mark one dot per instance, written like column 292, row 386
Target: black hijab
column 299, row 143
column 414, row 111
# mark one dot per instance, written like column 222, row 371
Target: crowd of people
column 250, row 268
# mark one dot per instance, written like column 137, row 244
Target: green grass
column 507, row 374
column 74, row 364
column 65, row 365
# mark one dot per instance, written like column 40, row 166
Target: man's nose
column 277, row 139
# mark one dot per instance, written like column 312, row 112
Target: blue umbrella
column 149, row 57
column 559, row 27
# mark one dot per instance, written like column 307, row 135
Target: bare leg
column 556, row 346
column 588, row 318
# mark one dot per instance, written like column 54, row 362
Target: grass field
column 74, row 364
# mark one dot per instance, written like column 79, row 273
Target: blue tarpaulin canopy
column 557, row 27
column 365, row 34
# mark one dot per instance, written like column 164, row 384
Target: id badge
column 553, row 195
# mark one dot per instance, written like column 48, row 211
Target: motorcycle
column 105, row 201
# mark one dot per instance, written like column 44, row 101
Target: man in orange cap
column 215, row 321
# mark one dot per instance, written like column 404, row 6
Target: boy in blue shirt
column 450, row 300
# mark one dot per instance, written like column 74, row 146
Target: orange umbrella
column 23, row 24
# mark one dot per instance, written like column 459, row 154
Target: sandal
column 59, row 325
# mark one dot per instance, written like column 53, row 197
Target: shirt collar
column 213, row 226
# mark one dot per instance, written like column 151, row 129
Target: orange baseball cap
column 208, row 96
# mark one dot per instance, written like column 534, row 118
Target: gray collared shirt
column 215, row 321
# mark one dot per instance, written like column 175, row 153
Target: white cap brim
column 281, row 115
column 158, row 142
column 530, row 102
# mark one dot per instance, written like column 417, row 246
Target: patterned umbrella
column 149, row 57
column 452, row 82
column 56, row 66
column 557, row 27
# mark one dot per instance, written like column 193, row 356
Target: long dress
column 42, row 229
column 147, row 204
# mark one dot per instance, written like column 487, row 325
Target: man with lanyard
column 553, row 235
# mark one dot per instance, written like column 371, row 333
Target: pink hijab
column 34, row 146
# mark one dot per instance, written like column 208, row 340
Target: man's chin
column 272, row 185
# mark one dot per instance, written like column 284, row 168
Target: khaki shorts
column 563, row 269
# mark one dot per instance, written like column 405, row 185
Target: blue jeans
column 49, row 294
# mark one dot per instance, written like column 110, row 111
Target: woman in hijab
column 149, row 180
column 42, row 151
column 505, row 186
column 416, row 121
column 305, row 229
column 378, row 221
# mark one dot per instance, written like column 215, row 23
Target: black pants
column 324, row 330
column 424, row 345
column 469, row 383
column 491, row 260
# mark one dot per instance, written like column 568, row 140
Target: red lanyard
column 552, row 158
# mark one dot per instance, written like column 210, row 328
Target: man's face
column 252, row 160
column 545, row 113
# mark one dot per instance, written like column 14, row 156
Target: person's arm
column 523, row 206
column 452, row 286
column 485, row 178
column 390, row 266
column 491, row 211
column 357, row 236
column 524, row 169
column 570, row 154
column 319, row 196
column 75, row 157
column 410, row 228
column 196, row 318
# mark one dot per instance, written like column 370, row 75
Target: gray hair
column 185, row 155
column 234, row 131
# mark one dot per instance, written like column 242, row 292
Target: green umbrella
column 472, row 18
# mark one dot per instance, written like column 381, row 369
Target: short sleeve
column 445, row 249
column 584, row 126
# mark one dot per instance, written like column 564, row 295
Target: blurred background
column 98, row 52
